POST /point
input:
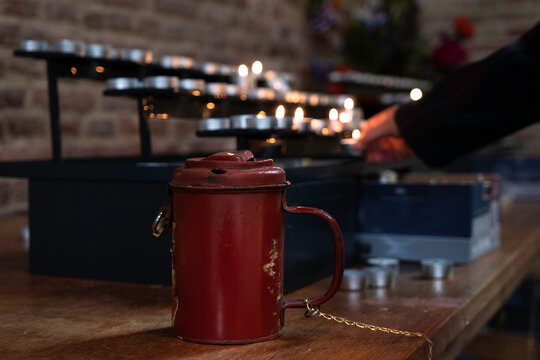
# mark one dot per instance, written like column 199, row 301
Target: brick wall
column 232, row 31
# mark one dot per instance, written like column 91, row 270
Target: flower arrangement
column 381, row 36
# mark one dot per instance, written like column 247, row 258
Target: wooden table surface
column 45, row 317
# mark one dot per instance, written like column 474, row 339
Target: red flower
column 464, row 27
column 449, row 54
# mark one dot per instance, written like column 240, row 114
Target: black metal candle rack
column 91, row 217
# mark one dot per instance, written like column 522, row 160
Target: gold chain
column 314, row 311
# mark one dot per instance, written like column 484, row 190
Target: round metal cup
column 217, row 88
column 209, row 68
column 304, row 126
column 161, row 82
column 354, row 280
column 176, row 62
column 265, row 123
column 67, row 46
column 391, row 263
column 436, row 268
column 97, row 51
column 316, row 125
column 116, row 53
column 338, row 100
column 245, row 121
column 380, row 277
column 226, row 70
column 261, row 94
column 233, row 89
column 313, row 99
column 137, row 55
column 285, row 123
column 123, row 83
column 214, row 124
column 33, row 45
column 191, row 84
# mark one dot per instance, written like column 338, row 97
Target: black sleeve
column 476, row 104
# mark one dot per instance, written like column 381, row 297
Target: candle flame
column 416, row 94
column 348, row 104
column 333, row 114
column 280, row 112
column 261, row 114
column 356, row 134
column 243, row 70
column 298, row 114
column 257, row 67
column 344, row 117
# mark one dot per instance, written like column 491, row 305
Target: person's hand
column 380, row 141
column 388, row 150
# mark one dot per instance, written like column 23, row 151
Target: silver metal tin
column 137, row 55
column 67, row 46
column 245, row 121
column 233, row 90
column 339, row 100
column 391, row 263
column 380, row 277
column 97, row 51
column 211, row 68
column 262, row 94
column 123, row 83
column 316, row 125
column 176, row 62
column 303, row 126
column 354, row 280
column 436, row 268
column 33, row 45
column 285, row 123
column 226, row 69
column 116, row 53
column 191, row 84
column 216, row 88
column 214, row 124
column 265, row 123
column 313, row 99
column 161, row 82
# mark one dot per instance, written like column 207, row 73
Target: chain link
column 316, row 312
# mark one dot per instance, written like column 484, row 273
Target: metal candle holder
column 436, row 268
column 214, row 124
column 123, row 83
column 380, row 277
column 354, row 280
column 33, row 45
column 161, row 82
column 176, row 62
column 191, row 84
column 136, row 55
column 97, row 51
column 68, row 46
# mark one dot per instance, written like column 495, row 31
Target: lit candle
column 280, row 112
column 348, row 104
column 345, row 117
column 333, row 115
column 298, row 117
column 257, row 67
column 243, row 71
column 242, row 79
column 416, row 94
